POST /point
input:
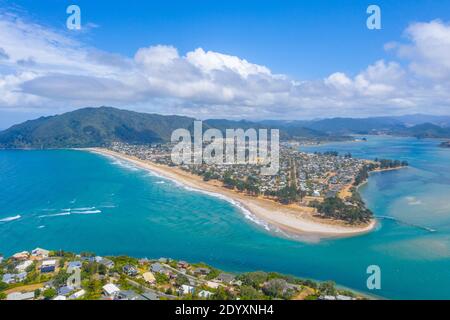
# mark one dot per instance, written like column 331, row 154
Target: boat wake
column 8, row 219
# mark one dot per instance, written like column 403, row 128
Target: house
column 212, row 284
column 128, row 295
column 143, row 261
column 40, row 253
column 130, row 270
column 106, row 262
column 150, row 296
column 183, row 264
column 24, row 255
column 73, row 265
column 185, row 289
column 20, row 296
column 225, row 277
column 60, row 298
column 344, row 298
column 9, row 278
column 110, row 290
column 157, row 267
column 205, row 294
column 48, row 266
column 149, row 277
column 78, row 294
column 202, row 271
column 21, row 276
column 24, row 265
column 64, row 291
column 1, row 259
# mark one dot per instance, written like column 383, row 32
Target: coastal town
column 324, row 182
column 42, row 274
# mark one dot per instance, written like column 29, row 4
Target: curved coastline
column 296, row 221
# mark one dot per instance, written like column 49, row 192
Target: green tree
column 49, row 293
column 250, row 293
column 181, row 279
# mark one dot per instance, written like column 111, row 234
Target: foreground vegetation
column 144, row 279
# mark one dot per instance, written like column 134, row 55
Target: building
column 185, row 289
column 64, row 291
column 20, row 296
column 24, row 255
column 212, row 284
column 157, row 267
column 110, row 290
column 205, row 294
column 202, row 271
column 9, row 278
column 24, row 265
column 128, row 295
column 225, row 277
column 130, row 270
column 60, row 298
column 40, row 253
column 73, row 265
column 149, row 277
column 78, row 294
column 21, row 276
column 106, row 262
column 183, row 264
column 48, row 266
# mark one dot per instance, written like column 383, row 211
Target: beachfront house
column 24, row 255
column 48, row 266
column 106, row 262
column 201, row 271
column 225, row 277
column 40, row 253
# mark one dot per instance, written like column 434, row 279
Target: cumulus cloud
column 40, row 67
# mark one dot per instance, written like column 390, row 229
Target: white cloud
column 42, row 68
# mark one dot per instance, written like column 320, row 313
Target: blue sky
column 304, row 41
column 293, row 37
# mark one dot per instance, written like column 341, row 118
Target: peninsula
column 313, row 195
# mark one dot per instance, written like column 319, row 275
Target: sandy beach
column 291, row 219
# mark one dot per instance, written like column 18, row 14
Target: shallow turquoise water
column 118, row 209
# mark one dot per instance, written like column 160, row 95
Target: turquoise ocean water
column 78, row 201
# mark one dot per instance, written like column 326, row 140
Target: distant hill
column 91, row 127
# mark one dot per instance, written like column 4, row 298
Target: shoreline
column 293, row 220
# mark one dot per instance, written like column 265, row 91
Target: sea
column 84, row 202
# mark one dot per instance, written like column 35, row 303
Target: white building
column 110, row 290
column 205, row 294
column 185, row 289
column 20, row 296
column 24, row 265
column 78, row 294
